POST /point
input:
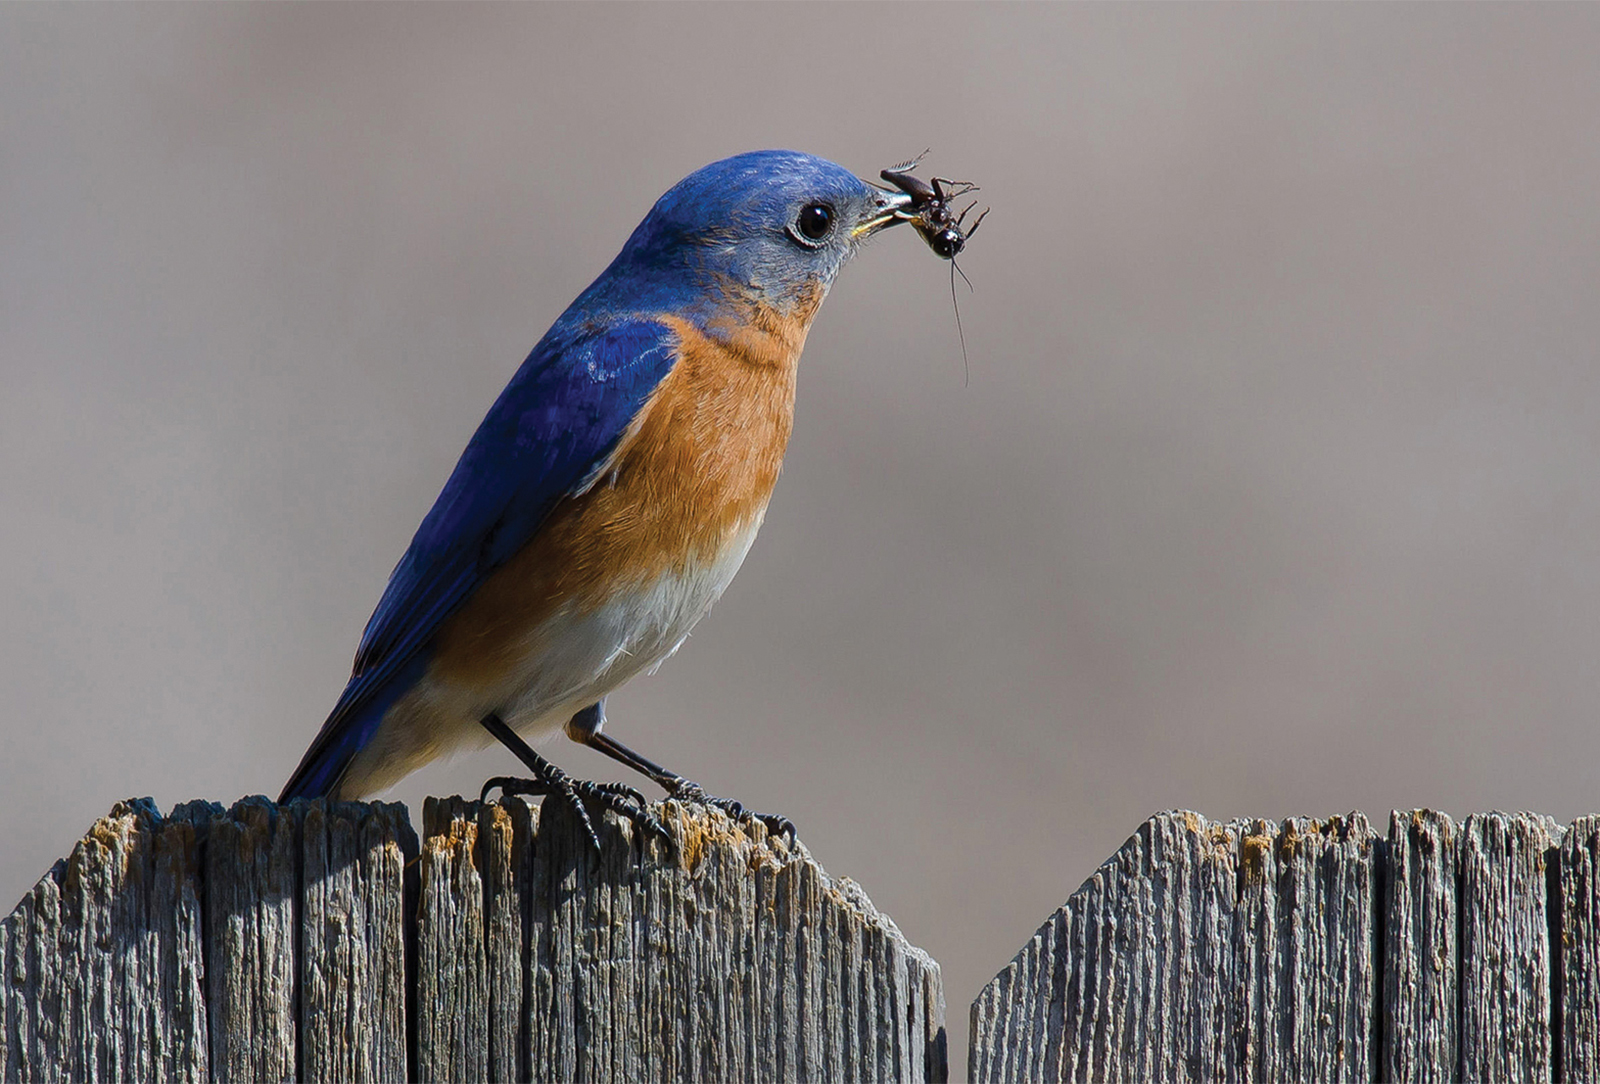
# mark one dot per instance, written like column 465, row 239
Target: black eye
column 816, row 219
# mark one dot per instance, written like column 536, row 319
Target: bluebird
column 609, row 496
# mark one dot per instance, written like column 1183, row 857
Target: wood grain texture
column 318, row 941
column 452, row 1000
column 1505, row 946
column 1579, row 946
column 103, row 958
column 1442, row 952
column 1198, row 951
column 1303, row 938
column 730, row 956
column 252, row 887
column 506, row 833
column 1419, row 1027
column 1130, row 979
column 353, row 932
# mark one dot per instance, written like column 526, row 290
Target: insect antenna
column 966, row 367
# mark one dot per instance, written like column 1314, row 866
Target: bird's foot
column 776, row 824
column 617, row 797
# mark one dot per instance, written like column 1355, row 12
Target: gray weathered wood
column 729, row 957
column 1198, row 952
column 252, row 884
column 268, row 943
column 1505, row 946
column 1579, row 946
column 452, row 947
column 1455, row 933
column 505, row 837
column 1420, row 951
column 273, row 943
column 1130, row 978
column 1303, row 938
column 103, row 959
column 352, row 957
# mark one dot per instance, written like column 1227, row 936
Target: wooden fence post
column 323, row 941
column 1313, row 950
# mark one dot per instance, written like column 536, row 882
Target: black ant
column 943, row 229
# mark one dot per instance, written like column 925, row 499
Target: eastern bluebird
column 610, row 494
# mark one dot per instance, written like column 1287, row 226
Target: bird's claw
column 620, row 798
column 777, row 824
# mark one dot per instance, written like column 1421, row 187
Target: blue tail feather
column 349, row 728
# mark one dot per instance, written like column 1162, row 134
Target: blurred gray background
column 1274, row 490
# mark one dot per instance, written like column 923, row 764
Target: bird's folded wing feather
column 558, row 419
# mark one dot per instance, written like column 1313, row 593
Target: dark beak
column 891, row 207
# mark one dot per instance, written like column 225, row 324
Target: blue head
column 770, row 228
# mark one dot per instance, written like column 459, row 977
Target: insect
column 930, row 213
column 943, row 229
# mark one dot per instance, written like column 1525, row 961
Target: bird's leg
column 585, row 727
column 552, row 781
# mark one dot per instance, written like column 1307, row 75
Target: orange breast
column 689, row 478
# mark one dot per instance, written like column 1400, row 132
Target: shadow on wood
column 1313, row 950
column 320, row 941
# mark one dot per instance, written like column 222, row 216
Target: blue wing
column 557, row 420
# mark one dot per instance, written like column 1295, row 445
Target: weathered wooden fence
column 321, row 942
column 1313, row 950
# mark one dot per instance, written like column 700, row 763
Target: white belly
column 586, row 655
column 573, row 659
